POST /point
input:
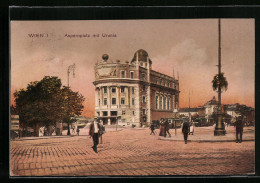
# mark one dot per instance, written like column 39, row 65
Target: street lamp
column 175, row 112
column 220, row 128
column 71, row 67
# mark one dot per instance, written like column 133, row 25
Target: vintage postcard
column 132, row 97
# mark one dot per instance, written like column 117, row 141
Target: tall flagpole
column 220, row 128
column 189, row 107
column 71, row 67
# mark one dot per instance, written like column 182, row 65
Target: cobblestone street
column 130, row 152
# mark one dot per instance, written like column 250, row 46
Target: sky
column 187, row 46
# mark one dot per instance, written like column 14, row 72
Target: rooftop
column 196, row 109
column 213, row 101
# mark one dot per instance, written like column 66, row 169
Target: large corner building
column 129, row 93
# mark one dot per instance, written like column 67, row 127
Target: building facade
column 210, row 108
column 129, row 93
column 188, row 112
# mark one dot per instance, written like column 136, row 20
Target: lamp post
column 116, row 123
column 220, row 128
column 175, row 112
column 71, row 67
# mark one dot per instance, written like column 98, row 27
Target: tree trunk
column 36, row 129
column 68, row 133
column 50, row 131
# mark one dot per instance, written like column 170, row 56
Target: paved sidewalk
column 201, row 134
column 83, row 132
column 131, row 152
column 206, row 134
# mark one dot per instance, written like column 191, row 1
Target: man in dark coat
column 94, row 132
column 101, row 132
column 152, row 129
column 239, row 129
column 78, row 131
column 166, row 128
column 185, row 131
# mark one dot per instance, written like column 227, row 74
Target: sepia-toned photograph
column 144, row 97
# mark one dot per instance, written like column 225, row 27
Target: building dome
column 105, row 57
column 142, row 55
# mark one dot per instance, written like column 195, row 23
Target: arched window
column 160, row 102
column 122, row 74
column 132, row 74
column 143, row 77
column 156, row 102
column 164, row 103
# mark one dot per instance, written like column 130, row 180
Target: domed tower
column 141, row 57
column 132, row 93
column 105, row 57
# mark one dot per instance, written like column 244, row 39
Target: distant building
column 129, row 93
column 204, row 112
column 210, row 107
column 231, row 110
column 14, row 122
column 188, row 111
column 81, row 121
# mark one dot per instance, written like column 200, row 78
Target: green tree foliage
column 72, row 105
column 243, row 110
column 195, row 117
column 214, row 116
column 219, row 80
column 46, row 102
column 13, row 110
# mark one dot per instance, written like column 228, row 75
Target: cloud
column 187, row 52
column 185, row 57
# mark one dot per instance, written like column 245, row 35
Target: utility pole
column 189, row 108
column 220, row 128
column 71, row 67
column 175, row 110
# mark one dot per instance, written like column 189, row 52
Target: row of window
column 123, row 74
column 113, row 113
column 122, row 89
column 162, row 102
column 163, row 82
column 123, row 112
column 114, row 101
column 143, row 77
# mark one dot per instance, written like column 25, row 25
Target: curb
column 39, row 138
column 201, row 141
column 48, row 137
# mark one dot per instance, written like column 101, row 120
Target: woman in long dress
column 192, row 128
column 161, row 128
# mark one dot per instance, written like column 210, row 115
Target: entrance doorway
column 113, row 121
column 105, row 121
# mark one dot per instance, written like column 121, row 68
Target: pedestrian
column 239, row 129
column 45, row 131
column 191, row 128
column 152, row 129
column 161, row 127
column 78, row 131
column 101, row 132
column 166, row 128
column 94, row 133
column 185, row 131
